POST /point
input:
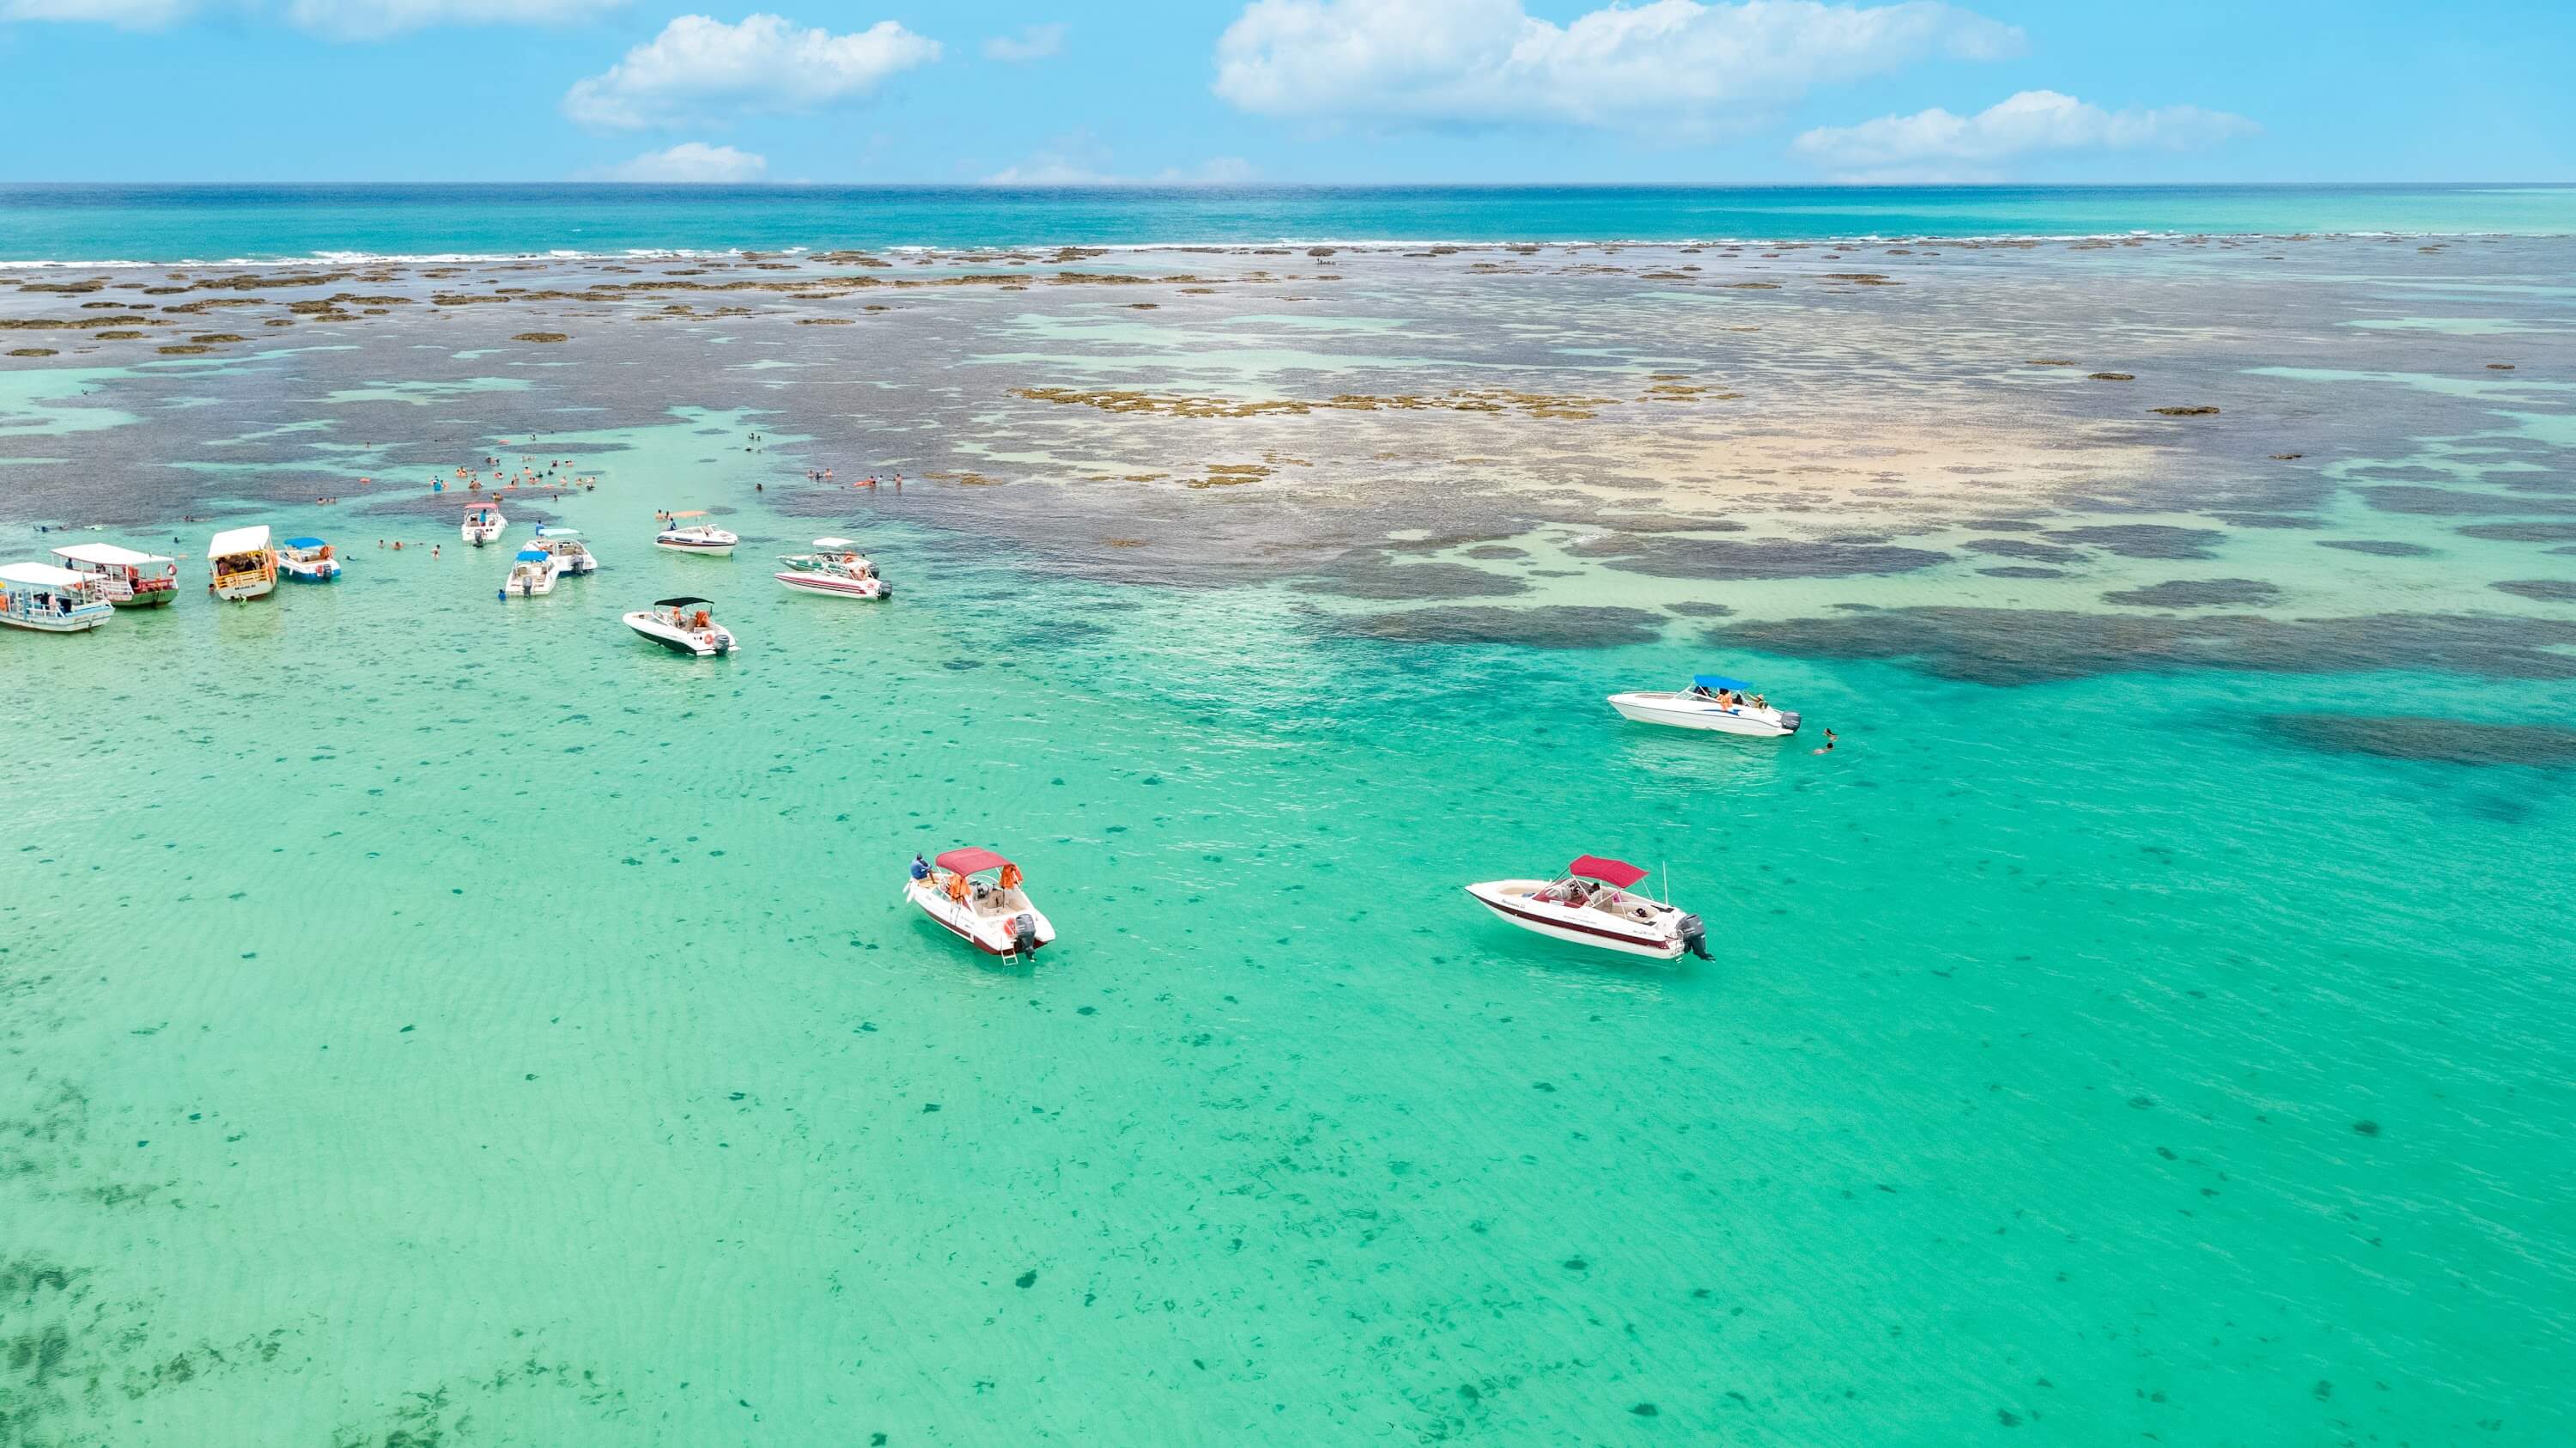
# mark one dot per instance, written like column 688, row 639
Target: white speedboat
column 835, row 568
column 1589, row 904
column 47, row 599
column 684, row 626
column 694, row 537
column 572, row 557
column 1712, row 702
column 240, row 564
column 306, row 560
column 531, row 573
column 129, row 579
column 978, row 896
column 483, row 523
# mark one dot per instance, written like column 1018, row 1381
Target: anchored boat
column 977, row 895
column 572, row 558
column 47, row 599
column 694, row 537
column 531, row 573
column 684, row 625
column 834, row 568
column 1589, row 904
column 240, row 563
column 1713, row 702
column 483, row 523
column 307, row 560
column 127, row 578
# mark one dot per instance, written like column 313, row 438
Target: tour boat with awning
column 483, row 523
column 47, row 599
column 306, row 560
column 684, row 625
column 531, row 573
column 241, row 564
column 978, row 896
column 128, row 579
column 1713, row 702
column 694, row 537
column 572, row 556
column 835, row 568
column 1589, row 904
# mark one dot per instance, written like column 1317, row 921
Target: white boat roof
column 43, row 573
column 107, row 553
column 238, row 540
column 834, row 543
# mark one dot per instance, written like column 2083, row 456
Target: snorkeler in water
column 1829, row 744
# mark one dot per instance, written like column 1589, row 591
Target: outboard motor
column 1789, row 720
column 1024, row 934
column 1695, row 937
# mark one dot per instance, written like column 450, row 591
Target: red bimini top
column 1617, row 874
column 968, row 861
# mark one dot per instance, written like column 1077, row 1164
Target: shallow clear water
column 443, row 1016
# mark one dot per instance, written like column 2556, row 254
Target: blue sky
column 1284, row 90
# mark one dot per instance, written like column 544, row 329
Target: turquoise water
column 217, row 223
column 442, row 1017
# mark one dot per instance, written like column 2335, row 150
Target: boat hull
column 295, row 575
column 833, row 586
column 153, row 598
column 1506, row 899
column 990, row 934
column 695, row 642
column 682, row 545
column 245, row 590
column 80, row 620
column 1680, row 711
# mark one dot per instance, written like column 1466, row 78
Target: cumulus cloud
column 1935, row 141
column 1034, row 42
column 699, row 67
column 1670, row 63
column 691, row 161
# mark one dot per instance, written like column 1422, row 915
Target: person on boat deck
column 956, row 888
column 1010, row 876
column 1700, row 691
column 1758, row 704
column 920, row 868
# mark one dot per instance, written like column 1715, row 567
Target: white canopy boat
column 531, row 573
column 47, row 599
column 572, row 557
column 684, row 626
column 240, row 563
column 1713, row 702
column 483, row 523
column 306, row 560
column 1590, row 905
column 976, row 894
column 694, row 537
column 129, row 579
column 835, row 568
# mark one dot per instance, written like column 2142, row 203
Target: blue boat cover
column 533, row 555
column 1720, row 681
column 303, row 542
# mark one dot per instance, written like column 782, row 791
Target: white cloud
column 700, row 66
column 1908, row 147
column 1676, row 64
column 690, row 161
column 1034, row 42
column 374, row 19
column 337, row 19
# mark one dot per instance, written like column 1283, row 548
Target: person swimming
column 1828, row 747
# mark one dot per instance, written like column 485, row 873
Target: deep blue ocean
column 162, row 223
